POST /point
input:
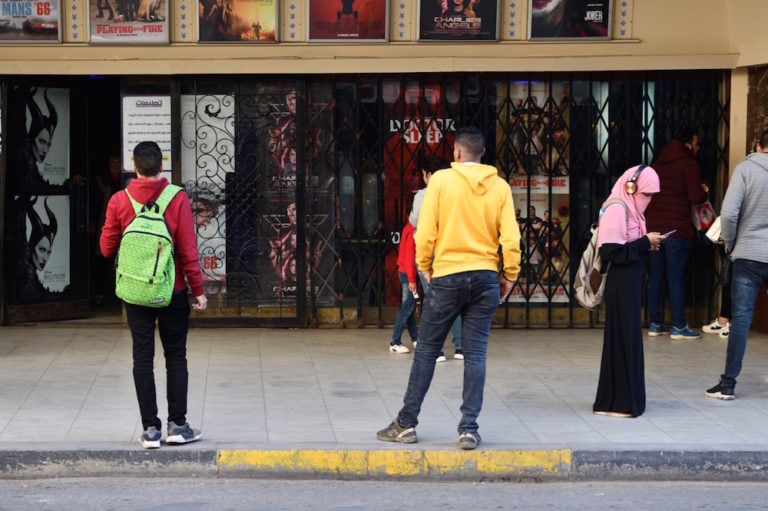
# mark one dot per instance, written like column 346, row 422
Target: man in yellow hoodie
column 467, row 215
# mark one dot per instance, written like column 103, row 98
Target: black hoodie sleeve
column 627, row 253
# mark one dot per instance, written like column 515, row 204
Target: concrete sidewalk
column 308, row 403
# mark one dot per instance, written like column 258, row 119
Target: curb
column 670, row 465
column 39, row 464
column 398, row 464
column 535, row 465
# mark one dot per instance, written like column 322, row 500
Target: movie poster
column 263, row 222
column 569, row 19
column 535, row 138
column 544, row 221
column 463, row 20
column 420, row 130
column 29, row 22
column 38, row 140
column 41, row 247
column 207, row 156
column 252, row 21
column 340, row 20
column 281, row 217
column 533, row 151
column 128, row 21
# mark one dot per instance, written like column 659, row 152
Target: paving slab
column 307, row 404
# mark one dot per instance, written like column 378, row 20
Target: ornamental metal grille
column 302, row 187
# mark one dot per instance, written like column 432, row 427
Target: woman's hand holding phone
column 655, row 238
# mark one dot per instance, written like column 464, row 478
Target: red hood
column 144, row 190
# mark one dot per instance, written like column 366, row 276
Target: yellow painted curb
column 398, row 463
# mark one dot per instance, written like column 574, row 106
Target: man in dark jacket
column 670, row 210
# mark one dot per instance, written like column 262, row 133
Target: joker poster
column 569, row 19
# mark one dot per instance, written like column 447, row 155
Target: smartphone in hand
column 668, row 234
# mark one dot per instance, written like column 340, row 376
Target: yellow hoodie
column 467, row 213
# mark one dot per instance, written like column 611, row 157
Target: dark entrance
column 59, row 136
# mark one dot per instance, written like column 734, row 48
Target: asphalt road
column 153, row 494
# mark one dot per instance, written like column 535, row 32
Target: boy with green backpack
column 149, row 225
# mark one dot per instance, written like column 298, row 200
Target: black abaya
column 621, row 386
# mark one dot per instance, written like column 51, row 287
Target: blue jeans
column 406, row 316
column 456, row 327
column 474, row 295
column 173, row 323
column 669, row 261
column 745, row 284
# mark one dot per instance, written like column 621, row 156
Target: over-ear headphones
column 631, row 186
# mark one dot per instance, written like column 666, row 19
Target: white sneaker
column 716, row 327
column 441, row 357
column 398, row 348
column 724, row 333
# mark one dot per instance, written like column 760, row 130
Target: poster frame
column 608, row 21
column 276, row 23
column 383, row 39
column 128, row 27
column 20, row 21
column 422, row 38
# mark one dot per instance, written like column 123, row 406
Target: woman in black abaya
column 624, row 242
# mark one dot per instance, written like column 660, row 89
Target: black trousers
column 173, row 323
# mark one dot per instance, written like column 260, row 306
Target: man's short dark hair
column 432, row 164
column 471, row 140
column 685, row 135
column 764, row 140
column 148, row 158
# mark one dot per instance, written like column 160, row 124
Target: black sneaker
column 469, row 440
column 720, row 391
column 396, row 433
column 182, row 434
column 150, row 439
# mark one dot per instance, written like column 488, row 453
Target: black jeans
column 173, row 322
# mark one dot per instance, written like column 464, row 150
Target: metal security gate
column 301, row 187
column 265, row 218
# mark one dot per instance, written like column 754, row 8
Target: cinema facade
column 300, row 156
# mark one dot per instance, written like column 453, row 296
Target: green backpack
column 145, row 268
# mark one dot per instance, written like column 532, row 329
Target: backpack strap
column 615, row 201
column 162, row 201
column 167, row 195
column 603, row 267
column 136, row 205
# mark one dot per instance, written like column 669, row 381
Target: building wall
column 746, row 21
column 648, row 34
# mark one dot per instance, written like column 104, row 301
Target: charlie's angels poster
column 464, row 20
